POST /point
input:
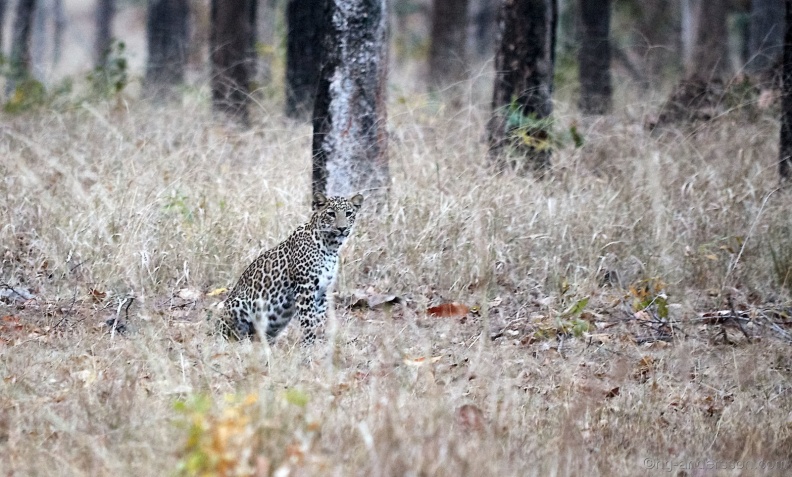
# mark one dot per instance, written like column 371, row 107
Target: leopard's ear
column 319, row 201
column 356, row 200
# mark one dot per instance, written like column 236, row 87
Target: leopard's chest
column 326, row 273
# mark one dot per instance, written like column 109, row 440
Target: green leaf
column 577, row 138
column 579, row 327
column 577, row 308
column 662, row 307
column 297, row 397
column 28, row 94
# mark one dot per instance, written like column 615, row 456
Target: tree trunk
column 349, row 120
column 38, row 41
column 710, row 55
column 305, row 20
column 447, row 43
column 485, row 27
column 231, row 45
column 688, row 16
column 658, row 26
column 167, row 34
column 594, row 57
column 3, row 5
column 105, row 12
column 522, row 97
column 766, row 35
column 57, row 34
column 785, row 151
column 268, row 35
column 20, row 43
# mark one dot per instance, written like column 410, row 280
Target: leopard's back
column 263, row 294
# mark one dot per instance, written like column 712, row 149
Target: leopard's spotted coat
column 294, row 277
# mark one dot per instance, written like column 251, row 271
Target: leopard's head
column 336, row 215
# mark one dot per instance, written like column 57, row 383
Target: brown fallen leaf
column 613, row 392
column 470, row 417
column 97, row 295
column 10, row 323
column 448, row 310
column 417, row 362
column 599, row 338
column 10, row 320
column 657, row 344
column 645, row 367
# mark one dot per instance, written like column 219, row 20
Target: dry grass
column 104, row 201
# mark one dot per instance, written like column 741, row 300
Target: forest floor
column 628, row 314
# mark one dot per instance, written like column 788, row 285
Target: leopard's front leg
column 312, row 305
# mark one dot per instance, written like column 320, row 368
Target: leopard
column 294, row 277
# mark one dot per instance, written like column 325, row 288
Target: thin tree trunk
column 447, row 57
column 594, row 57
column 3, row 5
column 710, row 56
column 57, row 34
column 268, row 22
column 688, row 12
column 785, row 151
column 485, row 27
column 658, row 25
column 105, row 12
column 742, row 24
column 252, row 55
column 766, row 35
column 522, row 97
column 38, row 41
column 231, row 42
column 349, row 119
column 20, row 43
column 167, row 33
column 305, row 20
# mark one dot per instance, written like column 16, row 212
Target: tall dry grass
column 99, row 202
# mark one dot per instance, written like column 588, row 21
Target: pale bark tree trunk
column 167, row 34
column 105, row 13
column 785, row 151
column 447, row 56
column 349, row 119
column 710, row 55
column 305, row 20
column 231, row 45
column 20, row 42
column 594, row 57
column 522, row 97
column 689, row 10
column 766, row 35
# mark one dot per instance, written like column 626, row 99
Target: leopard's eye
column 349, row 213
column 331, row 212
